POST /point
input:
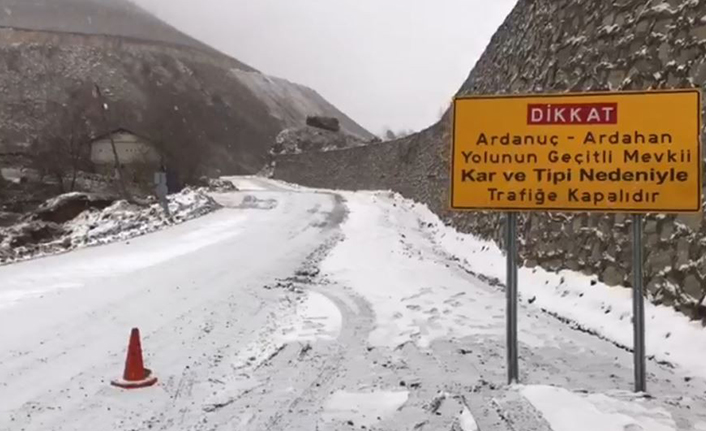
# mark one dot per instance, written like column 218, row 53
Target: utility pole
column 116, row 158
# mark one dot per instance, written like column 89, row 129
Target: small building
column 131, row 148
column 138, row 157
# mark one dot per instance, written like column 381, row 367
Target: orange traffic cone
column 135, row 375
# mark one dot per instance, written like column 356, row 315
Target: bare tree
column 64, row 151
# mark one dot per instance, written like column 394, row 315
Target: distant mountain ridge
column 159, row 82
column 97, row 17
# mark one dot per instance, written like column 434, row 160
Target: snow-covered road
column 293, row 309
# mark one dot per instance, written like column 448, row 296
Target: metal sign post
column 511, row 294
column 638, row 305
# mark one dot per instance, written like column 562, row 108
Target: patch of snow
column 364, row 409
column 11, row 297
column 118, row 222
column 79, row 273
column 247, row 184
column 466, row 421
column 383, row 258
column 318, row 318
column 416, row 299
column 253, row 202
column 219, row 185
column 11, row 174
column 609, row 29
column 576, row 40
column 289, row 186
column 568, row 411
column 670, row 335
column 232, row 389
column 663, row 7
column 268, row 341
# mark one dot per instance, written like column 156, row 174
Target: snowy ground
column 295, row 309
column 120, row 221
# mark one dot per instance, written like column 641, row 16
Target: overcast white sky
column 385, row 63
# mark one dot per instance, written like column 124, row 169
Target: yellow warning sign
column 616, row 152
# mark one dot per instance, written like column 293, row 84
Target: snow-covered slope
column 118, row 222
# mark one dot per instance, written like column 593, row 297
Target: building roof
column 117, row 131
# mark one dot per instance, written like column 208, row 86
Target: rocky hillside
column 97, row 17
column 202, row 108
column 557, row 46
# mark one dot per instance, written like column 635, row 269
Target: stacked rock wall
column 557, row 46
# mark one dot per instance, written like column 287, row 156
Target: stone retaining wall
column 556, row 46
